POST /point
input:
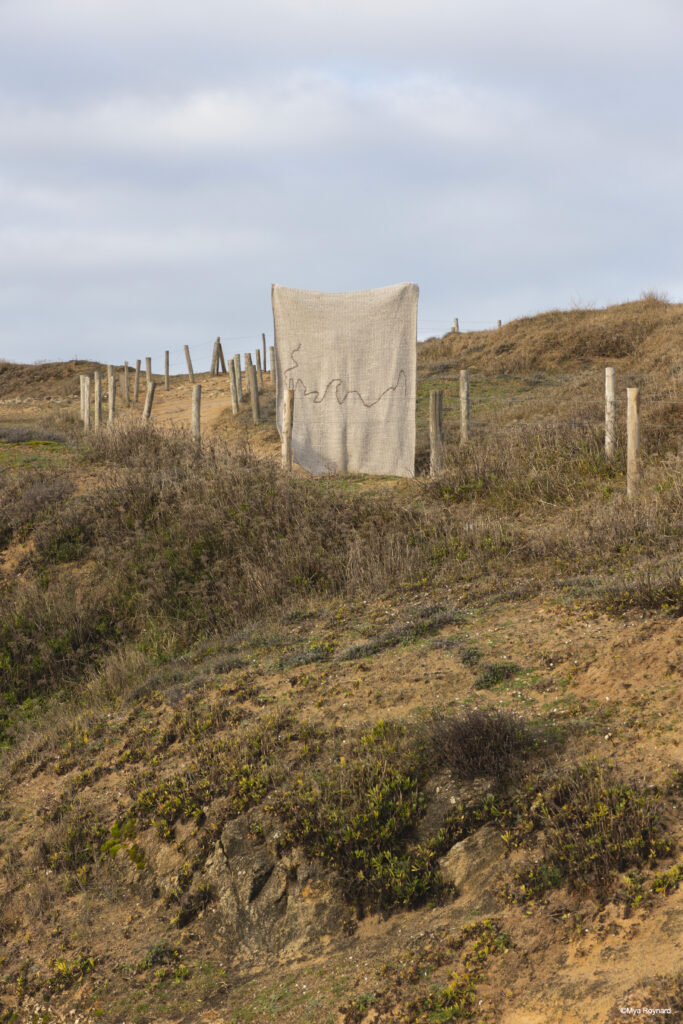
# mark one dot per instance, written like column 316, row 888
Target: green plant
column 495, row 674
column 357, row 815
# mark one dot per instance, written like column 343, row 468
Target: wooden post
column 435, row 433
column 610, row 411
column 500, row 323
column 110, row 388
column 464, row 406
column 456, row 326
column 238, row 375
column 263, row 346
column 149, row 398
column 190, row 371
column 124, row 387
column 287, row 421
column 196, row 406
column 233, row 389
column 214, row 358
column 632, row 442
column 98, row 398
column 86, row 403
column 112, row 398
column 259, row 370
column 253, row 392
column 136, row 382
column 167, row 383
column 247, row 364
column 148, row 369
column 221, row 357
column 83, row 380
column 271, row 353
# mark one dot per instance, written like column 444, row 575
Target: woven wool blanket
column 351, row 359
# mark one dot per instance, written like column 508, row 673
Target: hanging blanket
column 351, row 359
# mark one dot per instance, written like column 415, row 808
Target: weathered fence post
column 196, row 407
column 287, row 421
column 124, row 385
column 456, row 325
column 435, row 433
column 464, row 406
column 167, row 383
column 221, row 357
column 247, row 364
column 500, row 323
column 148, row 369
column 190, row 371
column 271, row 353
column 238, row 376
column 213, row 370
column 98, row 398
column 234, row 397
column 112, row 398
column 83, row 379
column 263, row 346
column 632, row 442
column 610, row 411
column 149, row 398
column 253, row 392
column 86, row 403
column 136, row 381
column 110, row 388
column 259, row 370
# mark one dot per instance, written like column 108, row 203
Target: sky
column 162, row 163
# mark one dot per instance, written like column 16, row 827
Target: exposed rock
column 473, row 864
column 269, row 899
column 443, row 794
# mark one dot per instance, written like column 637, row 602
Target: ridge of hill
column 645, row 335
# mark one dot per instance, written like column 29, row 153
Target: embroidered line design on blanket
column 340, row 383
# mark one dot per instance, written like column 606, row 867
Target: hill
column 346, row 750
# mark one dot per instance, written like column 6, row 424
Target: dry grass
column 649, row 331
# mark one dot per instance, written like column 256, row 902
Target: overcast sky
column 161, row 163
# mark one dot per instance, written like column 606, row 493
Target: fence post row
column 632, row 442
column 149, row 398
column 435, row 432
column 196, row 409
column 287, row 421
column 253, row 392
column 610, row 411
column 464, row 406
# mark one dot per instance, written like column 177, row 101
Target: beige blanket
column 351, row 359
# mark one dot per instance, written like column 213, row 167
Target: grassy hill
column 347, row 750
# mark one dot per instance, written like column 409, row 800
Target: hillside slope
column 345, row 751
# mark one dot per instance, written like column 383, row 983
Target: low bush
column 481, row 743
